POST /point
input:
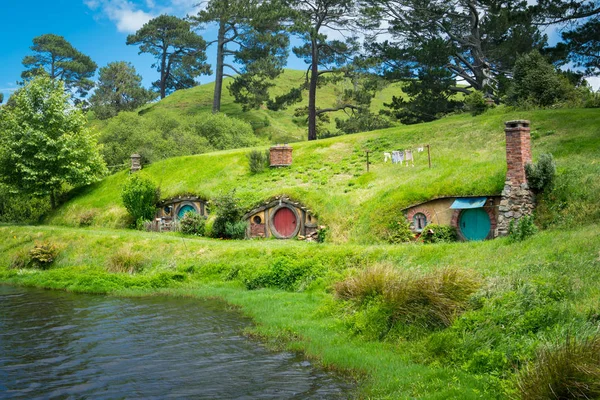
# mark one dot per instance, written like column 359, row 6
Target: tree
column 583, row 44
column 44, row 142
column 250, row 32
column 119, row 88
column 56, row 57
column 485, row 35
column 179, row 52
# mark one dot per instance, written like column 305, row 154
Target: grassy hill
column 271, row 126
column 329, row 176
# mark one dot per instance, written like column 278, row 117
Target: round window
column 167, row 210
column 419, row 221
column 257, row 219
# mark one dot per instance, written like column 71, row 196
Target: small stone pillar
column 280, row 156
column 136, row 162
column 517, row 199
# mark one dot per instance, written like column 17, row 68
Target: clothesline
column 399, row 156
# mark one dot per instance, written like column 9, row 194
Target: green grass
column 271, row 126
column 563, row 266
column 329, row 176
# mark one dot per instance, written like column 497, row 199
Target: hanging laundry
column 395, row 157
column 401, row 158
column 386, row 157
column 409, row 157
column 420, row 149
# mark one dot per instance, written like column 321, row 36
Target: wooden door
column 475, row 224
column 285, row 222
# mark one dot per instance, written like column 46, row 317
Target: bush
column 433, row 233
column 522, row 230
column 569, row 371
column 192, row 223
column 283, row 272
column 228, row 217
column 87, row 218
column 362, row 122
column 475, row 103
column 236, row 230
column 428, row 301
column 399, row 232
column 43, row 254
column 21, row 259
column 258, row 161
column 125, row 261
column 140, row 196
column 540, row 176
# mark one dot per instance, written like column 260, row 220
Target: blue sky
column 97, row 28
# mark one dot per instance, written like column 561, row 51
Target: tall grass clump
column 391, row 297
column 126, row 260
column 258, row 160
column 568, row 371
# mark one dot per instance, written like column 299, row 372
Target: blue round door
column 184, row 209
column 475, row 224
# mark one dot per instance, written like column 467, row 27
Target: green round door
column 475, row 224
column 184, row 209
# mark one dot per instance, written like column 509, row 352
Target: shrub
column 523, row 229
column 568, row 371
column 258, row 161
column 362, row 122
column 283, row 272
column 228, row 212
column 21, row 259
column 43, row 254
column 322, row 234
column 236, row 230
column 475, row 103
column 540, row 176
column 87, row 218
column 399, row 232
column 428, row 301
column 126, row 261
column 140, row 196
column 192, row 223
column 438, row 234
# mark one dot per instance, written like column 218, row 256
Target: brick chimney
column 280, row 156
column 517, row 199
column 136, row 162
column 518, row 150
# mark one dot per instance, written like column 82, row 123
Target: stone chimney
column 517, row 199
column 136, row 162
column 280, row 156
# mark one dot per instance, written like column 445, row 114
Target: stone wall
column 517, row 199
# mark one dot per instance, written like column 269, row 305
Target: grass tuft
column 569, row 371
column 126, row 261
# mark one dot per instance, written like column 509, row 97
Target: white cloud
column 128, row 20
column 594, row 81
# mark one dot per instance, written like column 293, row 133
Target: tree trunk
column 219, row 69
column 52, row 199
column 312, row 92
column 163, row 74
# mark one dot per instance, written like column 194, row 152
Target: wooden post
column 367, row 152
column 429, row 155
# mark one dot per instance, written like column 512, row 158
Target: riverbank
column 529, row 294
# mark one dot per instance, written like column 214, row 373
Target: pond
column 63, row 345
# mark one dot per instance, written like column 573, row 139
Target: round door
column 475, row 224
column 186, row 208
column 285, row 222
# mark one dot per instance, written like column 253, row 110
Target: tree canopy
column 56, row 57
column 44, row 142
column 179, row 52
column 119, row 88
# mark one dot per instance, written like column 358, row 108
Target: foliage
column 161, row 135
column 536, row 82
column 119, row 88
column 283, row 272
column 362, row 122
column 228, row 217
column 56, row 58
column 126, row 261
column 43, row 254
column 475, row 103
column 584, row 46
column 523, row 229
column 399, row 232
column 429, row 301
column 179, row 52
column 570, row 370
column 44, row 144
column 139, row 196
column 236, row 230
column 541, row 175
column 87, row 218
column 433, row 233
column 258, row 160
column 20, row 208
column 192, row 223
column 322, row 233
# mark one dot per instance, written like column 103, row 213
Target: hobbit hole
column 281, row 218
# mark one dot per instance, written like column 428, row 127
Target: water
column 61, row 345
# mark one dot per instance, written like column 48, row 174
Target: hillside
column 328, row 176
column 270, row 126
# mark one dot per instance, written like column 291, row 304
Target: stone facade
column 280, row 156
column 136, row 162
column 517, row 199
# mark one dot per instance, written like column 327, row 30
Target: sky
column 98, row 28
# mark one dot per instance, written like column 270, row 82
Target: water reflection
column 61, row 345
